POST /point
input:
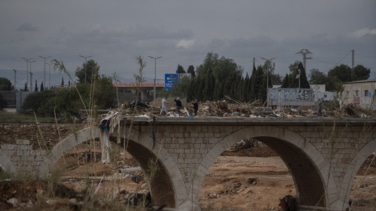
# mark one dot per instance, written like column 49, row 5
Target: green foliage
column 139, row 78
column 215, row 79
column 67, row 102
column 180, row 69
column 3, row 103
column 180, row 89
column 342, row 73
column 191, row 70
column 360, row 73
column 297, row 77
column 88, row 73
column 104, row 93
column 5, row 84
column 317, row 77
column 42, row 103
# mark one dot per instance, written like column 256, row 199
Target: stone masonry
column 323, row 154
column 22, row 160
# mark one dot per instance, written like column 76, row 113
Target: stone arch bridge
column 323, row 155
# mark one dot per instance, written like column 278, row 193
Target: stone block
column 22, row 142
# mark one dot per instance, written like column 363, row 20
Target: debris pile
column 232, row 108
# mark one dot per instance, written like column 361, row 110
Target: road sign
column 170, row 80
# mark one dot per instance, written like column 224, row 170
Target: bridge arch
column 309, row 181
column 357, row 163
column 167, row 187
column 69, row 142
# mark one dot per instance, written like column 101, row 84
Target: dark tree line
column 219, row 77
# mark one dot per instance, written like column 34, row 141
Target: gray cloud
column 27, row 27
column 115, row 32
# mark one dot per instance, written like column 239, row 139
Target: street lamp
column 267, row 78
column 49, row 73
column 85, row 57
column 31, row 74
column 44, row 68
column 27, row 69
column 155, row 73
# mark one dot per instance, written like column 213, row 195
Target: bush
column 3, row 103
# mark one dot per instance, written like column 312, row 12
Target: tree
column 275, row 79
column 181, row 88
column 88, row 73
column 36, row 86
column 215, row 78
column 25, row 88
column 180, row 69
column 41, row 87
column 191, row 70
column 360, row 73
column 297, row 77
column 318, row 77
column 99, row 95
column 139, row 78
column 3, row 103
column 42, row 103
column 342, row 73
column 5, row 84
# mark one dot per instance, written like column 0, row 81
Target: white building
column 360, row 93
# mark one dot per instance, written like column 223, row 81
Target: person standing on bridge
column 195, row 107
column 178, row 105
column 319, row 107
column 164, row 109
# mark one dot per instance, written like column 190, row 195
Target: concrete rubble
column 231, row 108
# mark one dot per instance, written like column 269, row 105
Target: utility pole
column 31, row 74
column 28, row 60
column 269, row 67
column 304, row 52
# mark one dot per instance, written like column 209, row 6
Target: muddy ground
column 249, row 179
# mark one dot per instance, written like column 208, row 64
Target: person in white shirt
column 164, row 109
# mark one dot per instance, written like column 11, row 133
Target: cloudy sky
column 115, row 32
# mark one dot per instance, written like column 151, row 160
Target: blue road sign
column 170, row 80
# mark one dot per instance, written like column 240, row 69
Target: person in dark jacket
column 178, row 105
column 195, row 107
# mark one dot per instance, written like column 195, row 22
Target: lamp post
column 31, row 74
column 85, row 57
column 49, row 74
column 27, row 69
column 44, row 68
column 155, row 74
column 267, row 78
